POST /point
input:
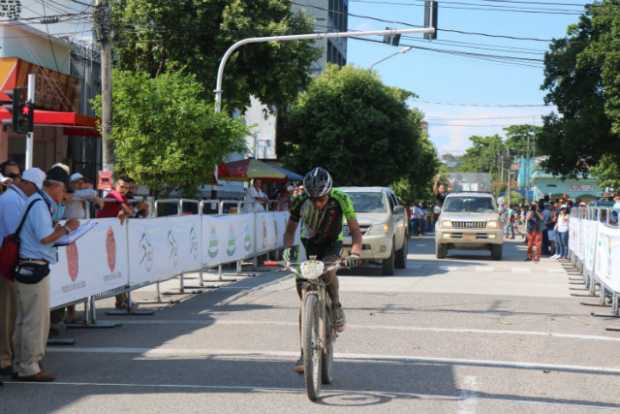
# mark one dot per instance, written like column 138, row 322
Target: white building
column 329, row 16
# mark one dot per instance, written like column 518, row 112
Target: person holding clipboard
column 37, row 234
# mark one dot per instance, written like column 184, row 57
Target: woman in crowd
column 561, row 228
column 535, row 224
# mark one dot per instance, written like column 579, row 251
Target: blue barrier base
column 61, row 341
column 98, row 325
column 130, row 312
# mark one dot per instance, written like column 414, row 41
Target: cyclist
column 323, row 211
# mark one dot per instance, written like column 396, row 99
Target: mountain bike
column 318, row 331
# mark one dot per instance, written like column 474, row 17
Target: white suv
column 469, row 220
column 383, row 222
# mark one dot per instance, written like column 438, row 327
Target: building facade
column 328, row 16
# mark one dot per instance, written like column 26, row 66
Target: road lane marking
column 325, row 393
column 468, row 401
column 242, row 355
column 382, row 328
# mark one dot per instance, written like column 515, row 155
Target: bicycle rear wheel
column 312, row 347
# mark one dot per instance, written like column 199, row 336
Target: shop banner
column 162, row 247
column 94, row 264
column 607, row 265
column 227, row 239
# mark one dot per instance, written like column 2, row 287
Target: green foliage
column 521, row 140
column 607, row 171
column 192, row 35
column 484, row 155
column 581, row 79
column 359, row 129
column 165, row 135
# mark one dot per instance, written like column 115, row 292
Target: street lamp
column 310, row 36
column 400, row 52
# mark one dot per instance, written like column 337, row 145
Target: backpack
column 9, row 252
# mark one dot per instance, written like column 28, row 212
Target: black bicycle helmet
column 317, row 182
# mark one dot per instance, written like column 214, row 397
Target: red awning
column 72, row 122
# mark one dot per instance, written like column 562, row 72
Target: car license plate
column 470, row 237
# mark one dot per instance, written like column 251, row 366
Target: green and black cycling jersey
column 324, row 225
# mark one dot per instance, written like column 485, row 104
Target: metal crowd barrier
column 172, row 207
column 589, row 228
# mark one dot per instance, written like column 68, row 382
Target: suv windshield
column 368, row 202
column 470, row 204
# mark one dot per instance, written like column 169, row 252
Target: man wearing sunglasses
column 323, row 211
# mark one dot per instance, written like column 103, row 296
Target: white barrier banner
column 227, row 239
column 608, row 257
column 589, row 237
column 266, row 230
column 162, row 247
column 573, row 233
column 94, row 264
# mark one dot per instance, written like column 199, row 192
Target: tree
column 484, row 155
column 574, row 83
column 607, row 171
column 417, row 184
column 521, row 140
column 165, row 135
column 359, row 129
column 192, row 35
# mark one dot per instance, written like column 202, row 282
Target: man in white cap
column 80, row 192
column 12, row 204
column 36, row 253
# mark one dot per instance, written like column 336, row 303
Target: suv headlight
column 493, row 224
column 446, row 224
column 379, row 229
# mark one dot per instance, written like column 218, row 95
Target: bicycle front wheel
column 312, row 347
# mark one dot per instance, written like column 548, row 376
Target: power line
column 408, row 24
column 459, row 5
column 81, row 3
column 538, row 3
column 503, row 59
column 481, row 105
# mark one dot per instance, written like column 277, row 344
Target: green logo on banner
column 214, row 243
column 232, row 241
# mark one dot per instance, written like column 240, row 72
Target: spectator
column 284, row 198
column 12, row 204
column 117, row 205
column 80, row 194
column 5, row 182
column 419, row 220
column 255, row 194
column 140, row 208
column 562, row 227
column 547, row 215
column 535, row 225
column 37, row 252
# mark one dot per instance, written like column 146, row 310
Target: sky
column 444, row 78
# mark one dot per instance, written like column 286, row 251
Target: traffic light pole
column 310, row 36
column 103, row 30
column 30, row 133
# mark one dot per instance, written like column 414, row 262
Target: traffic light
column 22, row 112
column 431, row 10
column 391, row 39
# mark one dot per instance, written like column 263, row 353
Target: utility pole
column 30, row 133
column 508, row 187
column 103, row 31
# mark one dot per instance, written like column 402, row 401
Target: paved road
column 464, row 335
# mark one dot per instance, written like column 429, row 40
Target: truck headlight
column 446, row 224
column 379, row 229
column 493, row 225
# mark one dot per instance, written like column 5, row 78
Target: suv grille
column 347, row 233
column 469, row 224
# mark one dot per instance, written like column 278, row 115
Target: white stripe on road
column 325, row 393
column 469, row 396
column 243, row 355
column 383, row 328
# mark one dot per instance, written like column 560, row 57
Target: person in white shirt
column 562, row 226
column 255, row 194
column 82, row 193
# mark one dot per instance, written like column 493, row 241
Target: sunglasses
column 12, row 175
